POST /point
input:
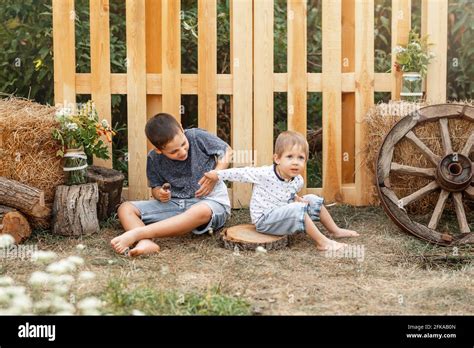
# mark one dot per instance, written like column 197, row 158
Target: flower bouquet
column 79, row 134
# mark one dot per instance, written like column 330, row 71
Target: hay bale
column 380, row 120
column 27, row 149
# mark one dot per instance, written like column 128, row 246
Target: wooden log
column 109, row 182
column 14, row 223
column 245, row 237
column 26, row 199
column 75, row 210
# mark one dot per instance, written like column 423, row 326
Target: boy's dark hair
column 161, row 129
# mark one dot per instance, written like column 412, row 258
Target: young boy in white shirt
column 275, row 207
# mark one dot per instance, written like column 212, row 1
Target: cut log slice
column 246, row 237
column 14, row 223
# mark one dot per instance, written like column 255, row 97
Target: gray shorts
column 289, row 219
column 153, row 211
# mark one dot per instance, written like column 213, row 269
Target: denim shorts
column 289, row 219
column 153, row 211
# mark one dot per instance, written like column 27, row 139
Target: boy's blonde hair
column 287, row 140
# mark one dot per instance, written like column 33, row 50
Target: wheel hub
column 454, row 172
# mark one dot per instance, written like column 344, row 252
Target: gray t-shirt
column 183, row 176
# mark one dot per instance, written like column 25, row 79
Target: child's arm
column 246, row 174
column 207, row 185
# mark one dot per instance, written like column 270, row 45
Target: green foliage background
column 26, row 62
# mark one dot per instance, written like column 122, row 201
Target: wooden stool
column 246, row 237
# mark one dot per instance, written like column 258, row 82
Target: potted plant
column 80, row 137
column 413, row 60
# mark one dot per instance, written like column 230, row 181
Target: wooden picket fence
column 154, row 82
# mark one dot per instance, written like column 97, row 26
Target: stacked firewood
column 18, row 204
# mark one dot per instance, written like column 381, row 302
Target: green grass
column 122, row 301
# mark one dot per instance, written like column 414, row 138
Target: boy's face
column 177, row 149
column 291, row 163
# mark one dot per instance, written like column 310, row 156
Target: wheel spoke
column 460, row 213
column 416, row 171
column 443, row 122
column 435, row 159
column 438, row 211
column 419, row 194
column 468, row 146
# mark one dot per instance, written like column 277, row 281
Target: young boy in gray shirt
column 192, row 203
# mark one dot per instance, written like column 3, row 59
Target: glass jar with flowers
column 79, row 134
column 413, row 60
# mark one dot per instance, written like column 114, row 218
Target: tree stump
column 246, row 237
column 110, row 183
column 14, row 223
column 75, row 210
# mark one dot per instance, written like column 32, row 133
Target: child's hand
column 207, row 182
column 164, row 195
column 301, row 200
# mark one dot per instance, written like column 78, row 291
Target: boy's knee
column 202, row 213
column 127, row 208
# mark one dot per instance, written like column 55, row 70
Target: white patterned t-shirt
column 269, row 190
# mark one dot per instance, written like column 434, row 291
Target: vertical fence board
column 241, row 62
column 136, row 99
column 263, row 81
column 207, row 65
column 401, row 25
column 153, row 54
column 348, row 99
column 171, row 57
column 436, row 19
column 332, row 104
column 364, row 95
column 100, row 66
column 64, row 46
column 297, row 70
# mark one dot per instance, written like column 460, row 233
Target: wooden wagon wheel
column 452, row 174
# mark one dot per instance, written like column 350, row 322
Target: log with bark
column 245, row 237
column 24, row 198
column 75, row 210
column 14, row 223
column 110, row 184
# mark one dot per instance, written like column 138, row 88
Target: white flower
column 6, row 240
column 398, row 49
column 105, row 123
column 39, row 278
column 71, row 126
column 80, row 247
column 43, row 256
column 60, row 267
column 260, row 249
column 62, row 112
column 86, row 275
column 90, row 306
column 14, row 291
column 4, row 296
column 78, row 261
column 22, row 303
column 6, row 281
column 61, row 289
column 63, row 279
column 61, row 305
column 137, row 312
column 42, row 306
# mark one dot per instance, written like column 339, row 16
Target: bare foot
column 331, row 245
column 341, row 233
column 122, row 242
column 144, row 247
